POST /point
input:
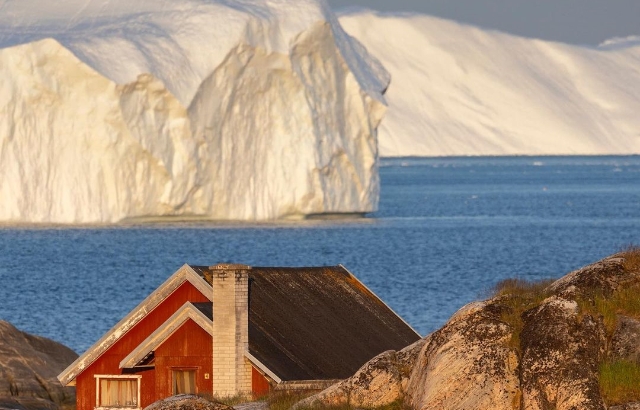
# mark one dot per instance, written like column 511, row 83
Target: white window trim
column 116, row 376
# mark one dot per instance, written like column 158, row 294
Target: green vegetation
column 624, row 301
column 519, row 296
column 620, row 382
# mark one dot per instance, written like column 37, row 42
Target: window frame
column 136, row 377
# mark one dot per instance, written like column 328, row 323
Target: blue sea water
column 448, row 229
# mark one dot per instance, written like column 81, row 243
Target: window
column 117, row 391
column 184, row 381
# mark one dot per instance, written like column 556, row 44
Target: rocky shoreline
column 530, row 346
column 29, row 366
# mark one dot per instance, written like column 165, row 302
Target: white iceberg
column 462, row 90
column 225, row 109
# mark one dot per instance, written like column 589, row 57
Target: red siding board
column 109, row 361
column 259, row 384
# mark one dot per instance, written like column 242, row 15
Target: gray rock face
column 625, row 344
column 548, row 357
column 28, row 369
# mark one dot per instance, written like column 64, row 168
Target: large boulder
column 28, row 368
column 529, row 347
column 467, row 364
column 379, row 382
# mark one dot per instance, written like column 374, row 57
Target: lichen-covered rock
column 379, row 382
column 625, row 344
column 28, row 368
column 561, row 353
column 467, row 364
column 604, row 276
column 529, row 351
column 187, row 402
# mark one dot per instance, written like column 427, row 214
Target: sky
column 583, row 22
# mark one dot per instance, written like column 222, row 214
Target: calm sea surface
column 447, row 230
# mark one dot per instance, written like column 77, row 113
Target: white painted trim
column 185, row 273
column 383, row 302
column 116, row 376
column 162, row 333
column 262, row 367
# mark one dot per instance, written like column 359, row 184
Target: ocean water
column 448, row 229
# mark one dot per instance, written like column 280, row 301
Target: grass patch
column 620, row 382
column 519, row 295
column 625, row 301
column 284, row 401
column 631, row 256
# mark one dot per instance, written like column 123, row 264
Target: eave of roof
column 185, row 273
column 162, row 333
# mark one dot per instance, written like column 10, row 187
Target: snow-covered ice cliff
column 222, row 109
column 462, row 90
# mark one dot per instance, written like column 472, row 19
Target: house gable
column 188, row 311
column 188, row 348
column 182, row 275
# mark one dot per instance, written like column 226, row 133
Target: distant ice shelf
column 462, row 90
column 214, row 109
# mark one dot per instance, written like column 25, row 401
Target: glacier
column 208, row 109
column 463, row 90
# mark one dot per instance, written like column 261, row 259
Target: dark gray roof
column 317, row 323
column 206, row 308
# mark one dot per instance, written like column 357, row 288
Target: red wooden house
column 233, row 329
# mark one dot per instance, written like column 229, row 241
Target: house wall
column 109, row 361
column 189, row 347
column 259, row 384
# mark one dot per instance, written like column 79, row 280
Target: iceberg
column 462, row 90
column 213, row 109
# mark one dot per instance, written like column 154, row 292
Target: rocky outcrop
column 467, row 364
column 379, row 382
column 187, row 402
column 28, row 368
column 561, row 354
column 529, row 348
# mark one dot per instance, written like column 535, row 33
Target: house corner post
column 231, row 374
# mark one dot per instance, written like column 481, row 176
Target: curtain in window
column 184, row 382
column 118, row 393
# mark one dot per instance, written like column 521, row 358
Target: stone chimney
column 231, row 370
